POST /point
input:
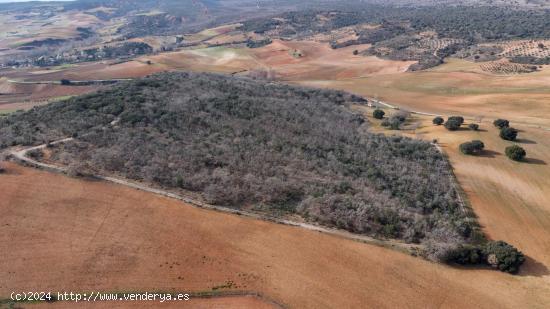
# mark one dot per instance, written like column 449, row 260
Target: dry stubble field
column 458, row 87
column 67, row 234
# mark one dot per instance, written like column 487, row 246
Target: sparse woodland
column 400, row 32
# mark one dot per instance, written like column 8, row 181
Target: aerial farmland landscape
column 275, row 154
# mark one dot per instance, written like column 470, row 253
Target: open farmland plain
column 72, row 234
column 120, row 239
column 317, row 61
column 458, row 87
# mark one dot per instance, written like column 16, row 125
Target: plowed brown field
column 65, row 234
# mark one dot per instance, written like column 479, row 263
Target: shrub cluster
column 378, row 114
column 471, row 148
column 509, row 134
column 473, row 126
column 501, row 123
column 497, row 254
column 515, row 153
column 438, row 121
column 503, row 256
column 396, row 120
column 454, row 123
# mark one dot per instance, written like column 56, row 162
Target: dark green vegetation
column 473, row 126
column 454, row 123
column 503, row 256
column 400, row 31
column 396, row 120
column 509, row 134
column 426, row 34
column 438, row 121
column 468, row 23
column 501, row 123
column 378, row 114
column 472, row 148
column 497, row 254
column 259, row 43
column 277, row 148
column 515, row 153
column 125, row 49
column 177, row 16
column 458, row 119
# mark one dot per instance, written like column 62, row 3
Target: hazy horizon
column 12, row 1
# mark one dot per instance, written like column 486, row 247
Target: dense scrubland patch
column 239, row 142
column 467, row 23
column 497, row 254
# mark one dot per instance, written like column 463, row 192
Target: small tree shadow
column 534, row 161
column 533, row 268
column 489, row 154
column 525, row 141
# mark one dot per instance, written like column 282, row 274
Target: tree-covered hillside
column 244, row 143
